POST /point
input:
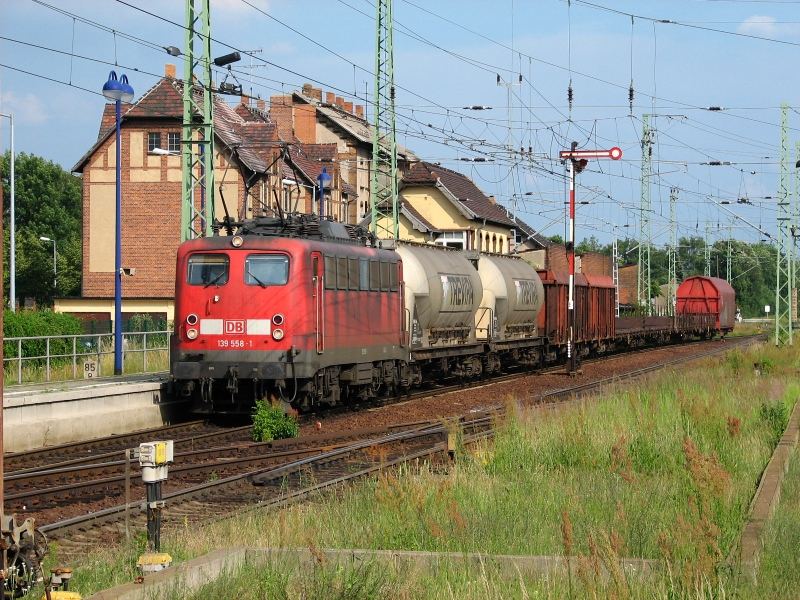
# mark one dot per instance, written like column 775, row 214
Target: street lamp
column 55, row 271
column 12, row 259
column 118, row 90
column 324, row 183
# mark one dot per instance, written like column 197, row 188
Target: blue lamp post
column 118, row 90
column 323, row 183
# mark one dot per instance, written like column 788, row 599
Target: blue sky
column 460, row 49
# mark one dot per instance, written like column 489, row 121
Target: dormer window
column 153, row 141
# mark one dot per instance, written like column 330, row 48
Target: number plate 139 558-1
column 234, row 344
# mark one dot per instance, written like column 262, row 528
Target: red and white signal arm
column 614, row 153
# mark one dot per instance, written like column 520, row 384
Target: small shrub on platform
column 271, row 422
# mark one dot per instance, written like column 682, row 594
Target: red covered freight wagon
column 712, row 296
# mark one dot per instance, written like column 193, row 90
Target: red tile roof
column 459, row 187
column 252, row 141
column 310, row 159
column 163, row 100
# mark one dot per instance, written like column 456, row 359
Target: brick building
column 250, row 176
column 311, row 116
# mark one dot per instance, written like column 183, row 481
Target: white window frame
column 452, row 238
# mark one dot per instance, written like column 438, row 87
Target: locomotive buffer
column 577, row 161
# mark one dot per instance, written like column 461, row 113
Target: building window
column 174, row 142
column 153, row 141
column 452, row 239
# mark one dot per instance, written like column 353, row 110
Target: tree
column 48, row 204
column 590, row 244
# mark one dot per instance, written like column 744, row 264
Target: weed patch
column 271, row 422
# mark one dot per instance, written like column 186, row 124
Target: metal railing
column 69, row 357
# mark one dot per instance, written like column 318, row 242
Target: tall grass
column 665, row 470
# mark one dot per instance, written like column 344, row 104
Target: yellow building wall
column 409, row 234
column 436, row 208
column 483, row 238
column 106, row 305
column 102, row 221
column 440, row 212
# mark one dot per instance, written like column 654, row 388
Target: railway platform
column 43, row 414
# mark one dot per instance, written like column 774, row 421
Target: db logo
column 235, row 327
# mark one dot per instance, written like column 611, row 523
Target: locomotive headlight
column 191, row 334
column 277, row 334
column 191, row 319
column 277, row 319
column 237, row 241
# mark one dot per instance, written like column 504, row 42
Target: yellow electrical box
column 152, row 562
column 161, row 453
column 62, row 595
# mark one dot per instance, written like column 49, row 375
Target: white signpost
column 578, row 160
column 89, row 368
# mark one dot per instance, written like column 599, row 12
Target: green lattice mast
column 383, row 185
column 672, row 252
column 783, row 284
column 197, row 147
column 643, row 280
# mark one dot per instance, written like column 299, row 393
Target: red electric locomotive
column 294, row 311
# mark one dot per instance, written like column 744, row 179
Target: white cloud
column 759, row 25
column 224, row 8
column 26, row 108
column 281, row 48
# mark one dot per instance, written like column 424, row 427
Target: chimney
column 169, row 71
column 492, row 199
column 359, row 112
column 348, row 106
column 307, row 87
column 316, row 93
column 261, row 104
column 330, row 98
column 339, row 101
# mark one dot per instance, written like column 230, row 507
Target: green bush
column 270, row 422
column 145, row 322
column 765, row 366
column 775, row 416
column 38, row 323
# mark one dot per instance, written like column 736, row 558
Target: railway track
column 296, row 474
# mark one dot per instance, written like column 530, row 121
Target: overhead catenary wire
column 455, row 133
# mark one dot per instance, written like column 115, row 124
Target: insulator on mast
column 569, row 95
column 630, row 96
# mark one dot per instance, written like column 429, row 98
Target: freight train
column 315, row 312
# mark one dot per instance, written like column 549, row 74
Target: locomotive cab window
column 266, row 269
column 207, row 269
